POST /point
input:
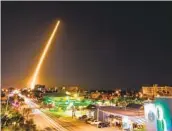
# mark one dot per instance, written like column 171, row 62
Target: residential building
column 156, row 90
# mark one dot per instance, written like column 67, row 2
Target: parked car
column 89, row 120
column 103, row 124
column 83, row 117
column 95, row 122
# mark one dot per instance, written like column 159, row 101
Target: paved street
column 43, row 124
column 42, row 121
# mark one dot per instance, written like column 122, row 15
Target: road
column 42, row 121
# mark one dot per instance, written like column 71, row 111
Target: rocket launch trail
column 35, row 75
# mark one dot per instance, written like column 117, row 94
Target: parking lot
column 73, row 124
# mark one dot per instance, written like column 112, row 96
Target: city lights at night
column 86, row 66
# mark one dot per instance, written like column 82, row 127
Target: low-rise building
column 156, row 90
column 95, row 95
column 126, row 118
column 39, row 88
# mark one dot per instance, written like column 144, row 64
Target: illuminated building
column 71, row 89
column 95, row 95
column 4, row 100
column 156, row 90
column 132, row 115
column 159, row 114
column 40, row 88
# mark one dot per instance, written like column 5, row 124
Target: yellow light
column 67, row 97
column 68, row 93
column 33, row 82
column 158, row 95
column 14, row 123
column 16, row 91
column 75, row 95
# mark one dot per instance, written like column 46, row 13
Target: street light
column 75, row 95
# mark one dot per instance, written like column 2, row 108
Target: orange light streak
column 35, row 75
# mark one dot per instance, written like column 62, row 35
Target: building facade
column 158, row 114
column 40, row 88
column 156, row 90
column 125, row 118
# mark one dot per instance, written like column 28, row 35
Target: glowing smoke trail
column 43, row 56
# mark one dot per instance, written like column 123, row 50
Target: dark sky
column 99, row 45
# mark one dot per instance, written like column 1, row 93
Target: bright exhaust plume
column 35, row 75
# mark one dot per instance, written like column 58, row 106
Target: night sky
column 99, row 45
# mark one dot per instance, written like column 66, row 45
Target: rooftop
column 123, row 112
